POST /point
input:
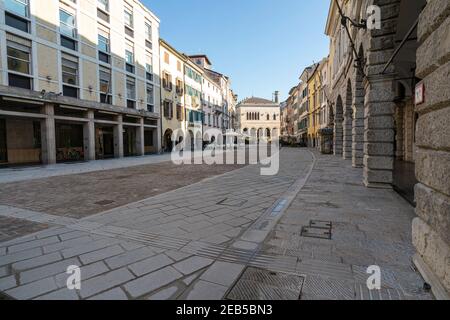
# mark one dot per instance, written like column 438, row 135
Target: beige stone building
column 389, row 91
column 79, row 80
column 259, row 118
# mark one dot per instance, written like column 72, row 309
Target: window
column 179, row 112
column 166, row 58
column 179, row 87
column 150, row 98
column 129, row 57
column 103, row 15
column 19, row 57
column 70, row 75
column 168, row 109
column 19, row 62
column 103, row 4
column 16, row 11
column 18, row 7
column 149, row 68
column 179, row 66
column 148, row 35
column 131, row 89
column 193, row 75
column 274, row 117
column 103, row 41
column 128, row 14
column 103, row 45
column 105, row 86
column 67, row 24
column 167, row 81
column 68, row 43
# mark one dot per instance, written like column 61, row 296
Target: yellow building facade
column 172, row 92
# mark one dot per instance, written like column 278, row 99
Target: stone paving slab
column 336, row 268
column 159, row 258
column 151, row 282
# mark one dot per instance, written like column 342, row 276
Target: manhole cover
column 232, row 202
column 262, row 284
column 104, row 202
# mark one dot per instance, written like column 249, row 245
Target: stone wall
column 431, row 229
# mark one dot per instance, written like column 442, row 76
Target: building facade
column 431, row 229
column 314, row 84
column 325, row 131
column 389, row 85
column 193, row 79
column 303, row 111
column 79, row 80
column 172, row 93
column 259, row 118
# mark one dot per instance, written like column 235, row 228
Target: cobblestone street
column 196, row 242
column 81, row 195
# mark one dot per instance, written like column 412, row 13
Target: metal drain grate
column 104, row 202
column 232, row 202
column 262, row 284
column 318, row 229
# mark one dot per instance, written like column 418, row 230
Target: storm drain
column 232, row 202
column 318, row 229
column 263, row 284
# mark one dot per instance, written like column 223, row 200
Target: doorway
column 3, row 145
column 104, row 143
column 69, row 142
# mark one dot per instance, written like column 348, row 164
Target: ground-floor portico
column 35, row 131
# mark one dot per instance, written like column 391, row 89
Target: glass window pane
column 19, row 7
column 103, row 4
column 129, row 57
column 103, row 43
column 13, row 52
column 128, row 18
column 67, row 23
column 18, row 65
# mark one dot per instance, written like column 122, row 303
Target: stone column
column 379, row 132
column 157, row 137
column 118, row 138
column 358, row 126
column 48, row 138
column 89, row 137
column 140, row 143
column 431, row 230
column 347, row 128
column 338, row 132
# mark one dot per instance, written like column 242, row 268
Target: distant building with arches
column 258, row 118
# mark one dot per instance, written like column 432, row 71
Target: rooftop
column 256, row 100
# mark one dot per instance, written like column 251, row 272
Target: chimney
column 276, row 95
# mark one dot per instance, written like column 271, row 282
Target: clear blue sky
column 263, row 45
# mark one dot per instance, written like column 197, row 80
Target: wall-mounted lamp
column 90, row 88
